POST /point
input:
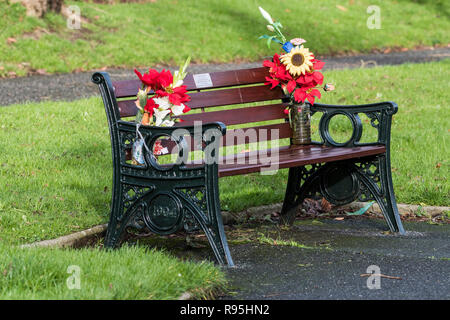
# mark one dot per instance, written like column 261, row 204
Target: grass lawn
column 126, row 273
column 55, row 164
column 164, row 31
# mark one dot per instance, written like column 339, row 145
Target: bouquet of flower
column 296, row 70
column 168, row 101
column 162, row 109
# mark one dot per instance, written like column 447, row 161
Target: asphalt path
column 417, row 265
column 73, row 86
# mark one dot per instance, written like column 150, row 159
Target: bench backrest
column 226, row 88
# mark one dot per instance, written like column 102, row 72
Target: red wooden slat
column 237, row 116
column 255, row 134
column 129, row 88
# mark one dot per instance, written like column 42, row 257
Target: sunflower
column 298, row 61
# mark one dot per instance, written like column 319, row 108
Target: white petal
column 162, row 102
column 178, row 110
column 266, row 15
column 178, row 84
column 168, row 123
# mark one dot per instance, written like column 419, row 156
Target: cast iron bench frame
column 166, row 199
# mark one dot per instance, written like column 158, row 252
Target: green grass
column 165, row 32
column 55, row 164
column 126, row 273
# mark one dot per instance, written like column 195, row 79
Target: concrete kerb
column 70, row 240
column 77, row 238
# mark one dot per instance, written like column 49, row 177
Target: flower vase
column 300, row 121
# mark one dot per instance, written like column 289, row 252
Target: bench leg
column 302, row 182
column 341, row 183
column 208, row 217
column 291, row 201
column 114, row 230
column 376, row 182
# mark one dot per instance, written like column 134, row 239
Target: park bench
column 165, row 198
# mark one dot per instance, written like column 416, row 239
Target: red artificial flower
column 302, row 94
column 186, row 109
column 176, row 95
column 310, row 79
column 291, row 86
column 272, row 81
column 317, row 64
column 179, row 96
column 302, row 87
column 165, row 78
column 149, row 79
column 277, row 70
column 150, row 106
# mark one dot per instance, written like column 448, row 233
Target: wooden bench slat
column 206, row 99
column 284, row 131
column 237, row 116
column 299, row 156
column 129, row 88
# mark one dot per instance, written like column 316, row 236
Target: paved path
column 421, row 259
column 78, row 85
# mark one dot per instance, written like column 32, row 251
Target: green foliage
column 163, row 32
column 126, row 273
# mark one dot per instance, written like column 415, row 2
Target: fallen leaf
column 438, row 165
column 342, row 8
column 326, row 206
column 11, row 40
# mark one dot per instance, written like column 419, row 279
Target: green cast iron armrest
column 206, row 137
column 380, row 115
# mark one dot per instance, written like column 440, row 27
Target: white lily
column 178, row 84
column 178, row 110
column 266, row 15
column 180, row 74
column 167, row 123
column 163, row 103
column 160, row 115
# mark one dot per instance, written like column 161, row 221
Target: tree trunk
column 38, row 8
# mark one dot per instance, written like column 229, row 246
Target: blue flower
column 288, row 46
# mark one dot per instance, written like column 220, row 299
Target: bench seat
column 293, row 156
